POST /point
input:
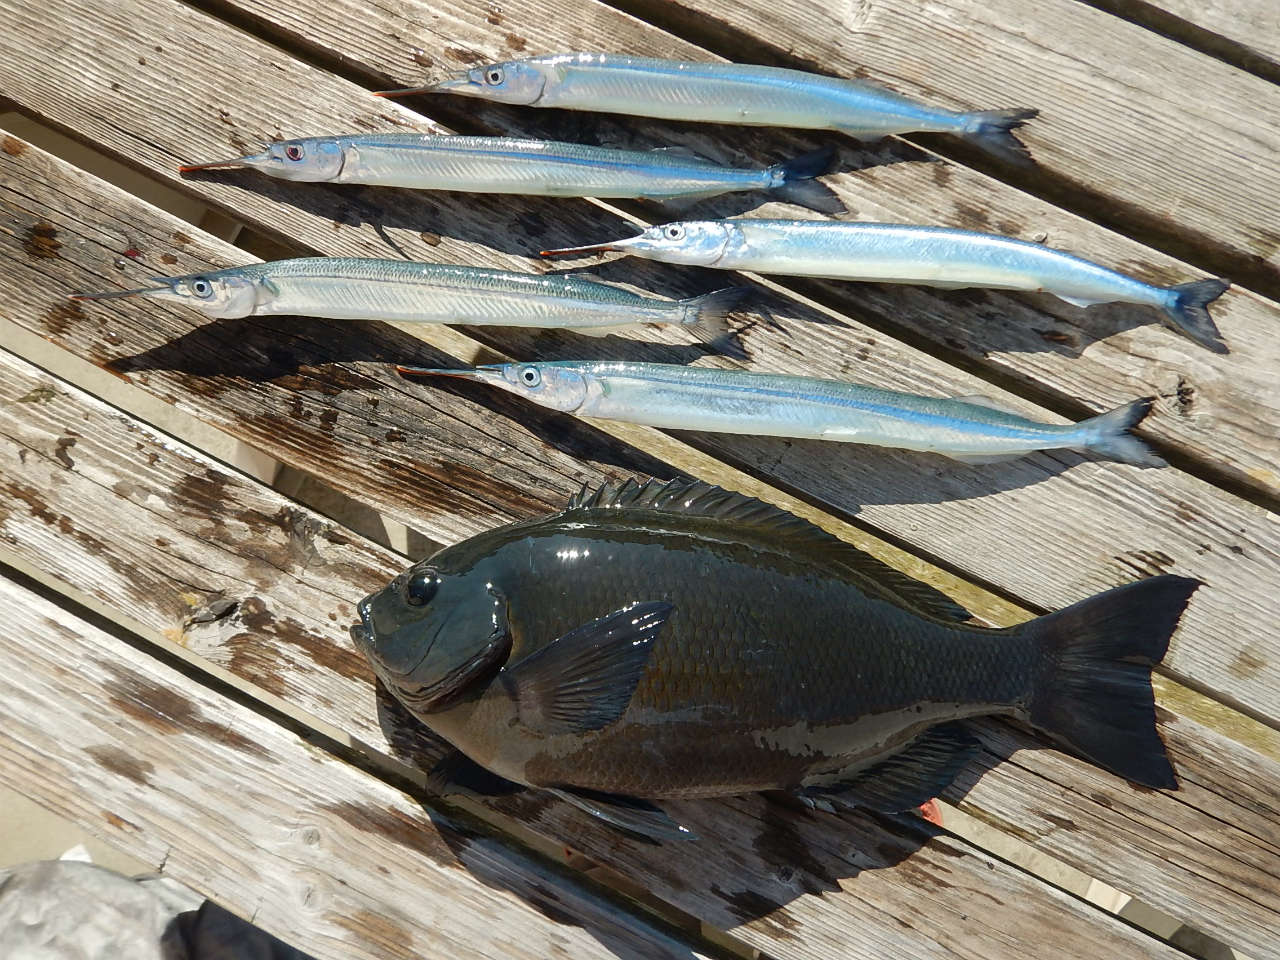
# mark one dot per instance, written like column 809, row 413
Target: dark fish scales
column 677, row 640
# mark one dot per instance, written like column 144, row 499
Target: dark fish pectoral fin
column 635, row 816
column 907, row 779
column 584, row 680
column 456, row 774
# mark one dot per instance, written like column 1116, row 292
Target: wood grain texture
column 1220, row 411
column 270, row 382
column 795, row 884
column 1243, row 32
column 324, row 856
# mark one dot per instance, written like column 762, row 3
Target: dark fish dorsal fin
column 694, row 498
column 907, row 779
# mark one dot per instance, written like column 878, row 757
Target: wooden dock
column 177, row 677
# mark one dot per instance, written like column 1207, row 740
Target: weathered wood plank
column 1167, row 142
column 268, row 603
column 1115, row 521
column 317, row 852
column 1243, row 32
column 1219, row 411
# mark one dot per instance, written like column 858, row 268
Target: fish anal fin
column 904, row 781
column 584, row 680
column 601, row 331
column 977, row 459
column 630, row 814
column 1078, row 301
column 456, row 774
column 694, row 498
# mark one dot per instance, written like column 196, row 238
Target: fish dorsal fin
column 684, row 153
column 991, row 403
column 694, row 498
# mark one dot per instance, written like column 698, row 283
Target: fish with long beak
column 677, row 640
column 970, row 429
column 904, row 253
column 403, row 290
column 734, row 93
column 423, row 161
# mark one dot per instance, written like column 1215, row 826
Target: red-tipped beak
column 612, row 245
column 253, row 160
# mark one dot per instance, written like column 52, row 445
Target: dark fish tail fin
column 1108, row 434
column 795, row 181
column 992, row 130
column 708, row 317
column 1189, row 311
column 1093, row 691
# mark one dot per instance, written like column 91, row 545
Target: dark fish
column 674, row 640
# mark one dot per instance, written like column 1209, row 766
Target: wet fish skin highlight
column 905, row 253
column 645, row 643
column 734, row 93
column 351, row 288
column 670, row 396
column 547, row 168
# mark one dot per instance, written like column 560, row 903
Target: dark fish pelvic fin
column 629, row 814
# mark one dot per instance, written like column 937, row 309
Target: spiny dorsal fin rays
column 699, row 499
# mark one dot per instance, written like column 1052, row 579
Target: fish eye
column 421, row 588
column 530, row 376
column 674, row 232
column 202, row 288
column 293, row 151
column 494, row 76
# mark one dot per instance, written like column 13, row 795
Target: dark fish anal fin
column 456, row 774
column 907, row 779
column 630, row 814
column 693, row 498
column 584, row 680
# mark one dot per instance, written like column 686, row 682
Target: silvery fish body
column 904, row 253
column 781, row 405
column 528, row 167
column 404, row 290
column 677, row 640
column 725, row 93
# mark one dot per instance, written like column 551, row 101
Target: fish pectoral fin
column 584, row 680
column 907, row 779
column 631, row 814
column 980, row 458
column 456, row 774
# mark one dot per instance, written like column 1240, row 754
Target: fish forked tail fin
column 708, row 317
column 1108, row 434
column 1094, row 692
column 796, row 183
column 1189, row 311
column 992, row 130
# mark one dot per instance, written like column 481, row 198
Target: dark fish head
column 430, row 634
column 515, row 81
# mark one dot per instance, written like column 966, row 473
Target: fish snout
column 362, row 632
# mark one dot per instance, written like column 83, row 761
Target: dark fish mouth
column 362, row 632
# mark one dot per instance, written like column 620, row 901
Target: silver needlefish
column 357, row 289
column 903, row 253
column 973, row 429
column 673, row 640
column 734, row 93
column 424, row 161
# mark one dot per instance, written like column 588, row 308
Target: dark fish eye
column 421, row 587
column 674, row 232
column 530, row 376
column 494, row 75
column 293, row 151
column 202, row 288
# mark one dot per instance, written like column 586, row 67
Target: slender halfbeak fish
column 726, row 93
column 970, row 429
column 546, row 168
column 902, row 253
column 341, row 288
